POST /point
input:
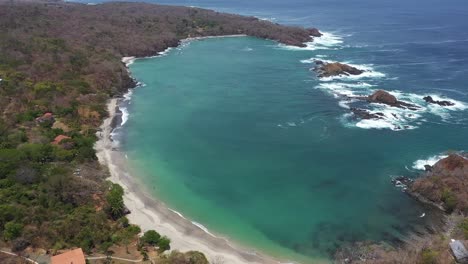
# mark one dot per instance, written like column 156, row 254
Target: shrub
column 12, row 230
column 115, row 201
column 150, row 237
column 449, row 199
column 429, row 256
column 464, row 227
column 164, row 244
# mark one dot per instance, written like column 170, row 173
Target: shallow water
column 239, row 135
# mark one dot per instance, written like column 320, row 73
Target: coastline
column 150, row 213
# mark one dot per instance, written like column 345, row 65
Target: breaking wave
column 325, row 42
column 419, row 164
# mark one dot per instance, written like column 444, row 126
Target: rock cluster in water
column 329, row 69
column 430, row 100
column 384, row 97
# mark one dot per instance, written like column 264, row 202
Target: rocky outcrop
column 365, row 114
column 314, row 32
column 384, row 97
column 445, row 184
column 325, row 69
column 430, row 100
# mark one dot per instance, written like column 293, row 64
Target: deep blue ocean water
column 239, row 135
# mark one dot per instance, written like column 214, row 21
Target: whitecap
column 203, row 228
column 128, row 96
column 419, row 164
column 128, row 60
column 177, row 213
column 125, row 115
column 326, row 41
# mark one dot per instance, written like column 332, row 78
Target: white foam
column 393, row 118
column 203, row 228
column 128, row 96
column 128, row 60
column 326, row 41
column 341, row 89
column 125, row 115
column 375, row 123
column 435, row 109
column 165, row 52
column 177, row 213
column 419, row 164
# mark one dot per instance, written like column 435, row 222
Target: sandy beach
column 150, row 213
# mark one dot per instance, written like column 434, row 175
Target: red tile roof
column 75, row 256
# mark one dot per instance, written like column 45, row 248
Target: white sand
column 150, row 213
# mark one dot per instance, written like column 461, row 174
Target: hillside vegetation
column 59, row 64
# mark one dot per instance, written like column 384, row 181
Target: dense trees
column 64, row 59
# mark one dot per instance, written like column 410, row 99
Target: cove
column 237, row 134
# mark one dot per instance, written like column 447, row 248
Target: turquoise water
column 239, row 135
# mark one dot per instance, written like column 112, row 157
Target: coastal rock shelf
column 329, row 69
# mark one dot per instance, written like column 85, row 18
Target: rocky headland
column 445, row 184
column 442, row 186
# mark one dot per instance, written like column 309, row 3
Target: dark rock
column 428, row 168
column 335, row 69
column 402, row 181
column 384, row 97
column 364, row 114
column 430, row 100
column 126, row 211
column 314, row 32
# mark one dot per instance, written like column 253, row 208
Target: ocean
column 240, row 136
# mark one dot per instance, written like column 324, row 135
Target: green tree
column 150, row 237
column 164, row 244
column 115, row 201
column 449, row 199
column 12, row 230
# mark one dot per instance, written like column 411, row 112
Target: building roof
column 75, row 256
column 459, row 251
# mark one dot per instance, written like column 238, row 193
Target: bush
column 115, row 201
column 464, row 227
column 150, row 237
column 429, row 256
column 449, row 199
column 164, row 244
column 12, row 230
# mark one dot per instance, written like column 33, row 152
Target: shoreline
column 150, row 213
column 147, row 211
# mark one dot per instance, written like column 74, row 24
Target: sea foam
column 326, row 41
column 419, row 164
